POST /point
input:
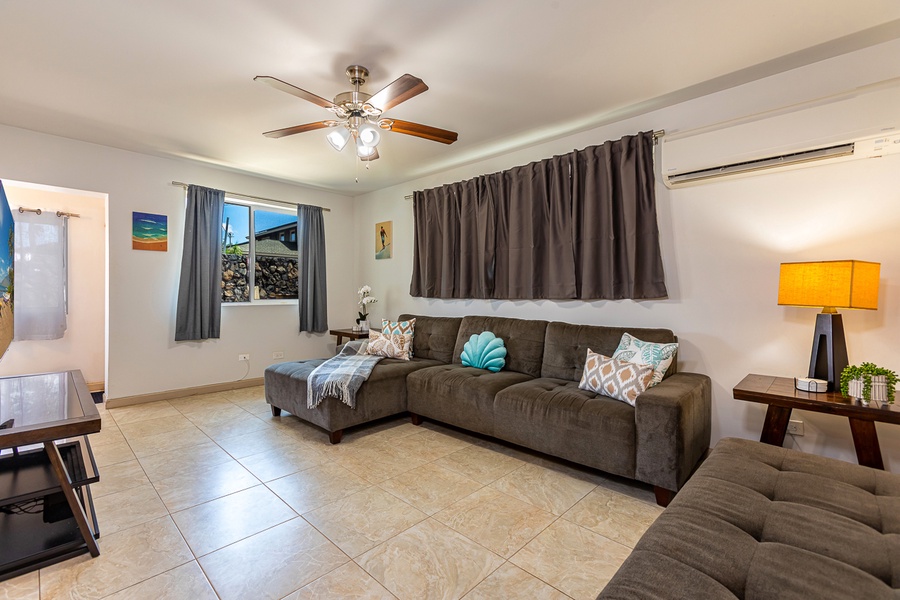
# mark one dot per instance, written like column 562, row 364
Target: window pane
column 275, row 270
column 236, row 253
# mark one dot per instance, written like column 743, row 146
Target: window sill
column 262, row 303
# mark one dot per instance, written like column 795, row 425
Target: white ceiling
column 175, row 77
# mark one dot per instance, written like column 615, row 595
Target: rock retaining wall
column 276, row 278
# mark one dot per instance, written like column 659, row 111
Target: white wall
column 143, row 358
column 722, row 244
column 83, row 345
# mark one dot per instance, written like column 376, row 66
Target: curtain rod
column 656, row 135
column 249, row 197
column 59, row 213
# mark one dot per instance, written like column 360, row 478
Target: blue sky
column 239, row 221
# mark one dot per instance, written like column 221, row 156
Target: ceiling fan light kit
column 359, row 114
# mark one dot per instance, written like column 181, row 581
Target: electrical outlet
column 243, row 357
column 278, row 355
column 795, row 427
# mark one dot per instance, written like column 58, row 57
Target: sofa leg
column 416, row 419
column 276, row 412
column 335, row 436
column 663, row 496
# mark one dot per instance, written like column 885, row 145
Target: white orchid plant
column 365, row 299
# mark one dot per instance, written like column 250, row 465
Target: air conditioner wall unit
column 863, row 123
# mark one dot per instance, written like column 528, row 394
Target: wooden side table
column 349, row 334
column 782, row 397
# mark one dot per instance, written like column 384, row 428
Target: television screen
column 7, row 253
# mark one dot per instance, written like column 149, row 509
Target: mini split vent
column 864, row 123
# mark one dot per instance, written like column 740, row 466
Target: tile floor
column 212, row 497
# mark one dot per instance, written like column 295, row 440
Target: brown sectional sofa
column 758, row 522
column 534, row 401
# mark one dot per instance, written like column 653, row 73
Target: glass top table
column 49, row 406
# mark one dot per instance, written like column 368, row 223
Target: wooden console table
column 46, row 466
column 782, row 397
column 349, row 334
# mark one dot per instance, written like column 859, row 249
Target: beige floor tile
column 215, row 415
column 126, row 558
column 260, row 409
column 428, row 445
column 364, row 520
column 348, row 582
column 23, row 587
column 555, row 490
column 429, row 560
column 128, row 508
column 181, row 583
column 509, row 581
column 154, row 426
column 112, row 453
column 108, row 434
column 170, row 440
column 200, row 403
column 247, row 394
column 143, row 412
column 256, row 441
column 613, row 515
column 273, row 563
column 430, row 487
column 500, row 523
column 239, row 425
column 480, row 464
column 572, row 559
column 184, row 491
column 217, row 523
column 119, row 477
column 377, row 463
column 183, row 461
column 278, row 463
column 316, row 487
column 634, row 489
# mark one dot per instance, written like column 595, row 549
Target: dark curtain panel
column 200, row 289
column 581, row 225
column 312, row 298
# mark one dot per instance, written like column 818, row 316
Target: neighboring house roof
column 271, row 248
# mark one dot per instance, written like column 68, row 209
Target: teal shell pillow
column 484, row 351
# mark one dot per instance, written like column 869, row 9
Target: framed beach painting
column 384, row 239
column 149, row 232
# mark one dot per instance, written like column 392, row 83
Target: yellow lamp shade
column 830, row 283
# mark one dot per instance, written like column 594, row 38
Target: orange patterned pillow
column 623, row 381
column 389, row 345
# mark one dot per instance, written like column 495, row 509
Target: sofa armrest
column 673, row 421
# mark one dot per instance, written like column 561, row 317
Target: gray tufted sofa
column 534, row 401
column 763, row 522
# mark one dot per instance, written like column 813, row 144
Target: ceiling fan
column 358, row 115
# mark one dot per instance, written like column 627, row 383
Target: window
column 264, row 263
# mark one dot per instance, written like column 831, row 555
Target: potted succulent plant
column 869, row 382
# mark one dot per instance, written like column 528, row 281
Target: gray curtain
column 198, row 314
column 582, row 225
column 311, row 294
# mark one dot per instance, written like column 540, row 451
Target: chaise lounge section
column 533, row 402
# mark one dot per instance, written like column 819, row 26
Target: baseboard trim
column 181, row 393
column 96, row 386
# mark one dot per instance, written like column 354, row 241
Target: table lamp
column 831, row 284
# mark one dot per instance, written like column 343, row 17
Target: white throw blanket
column 340, row 376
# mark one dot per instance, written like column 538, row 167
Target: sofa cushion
column 556, row 417
column 524, row 341
column 383, row 394
column 565, row 348
column 767, row 522
column 458, row 395
column 435, row 337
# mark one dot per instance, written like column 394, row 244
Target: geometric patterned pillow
column 623, row 381
column 391, row 345
column 401, row 327
column 659, row 356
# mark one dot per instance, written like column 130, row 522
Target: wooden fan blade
column 280, row 133
column 294, row 91
column 400, row 90
column 423, row 131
